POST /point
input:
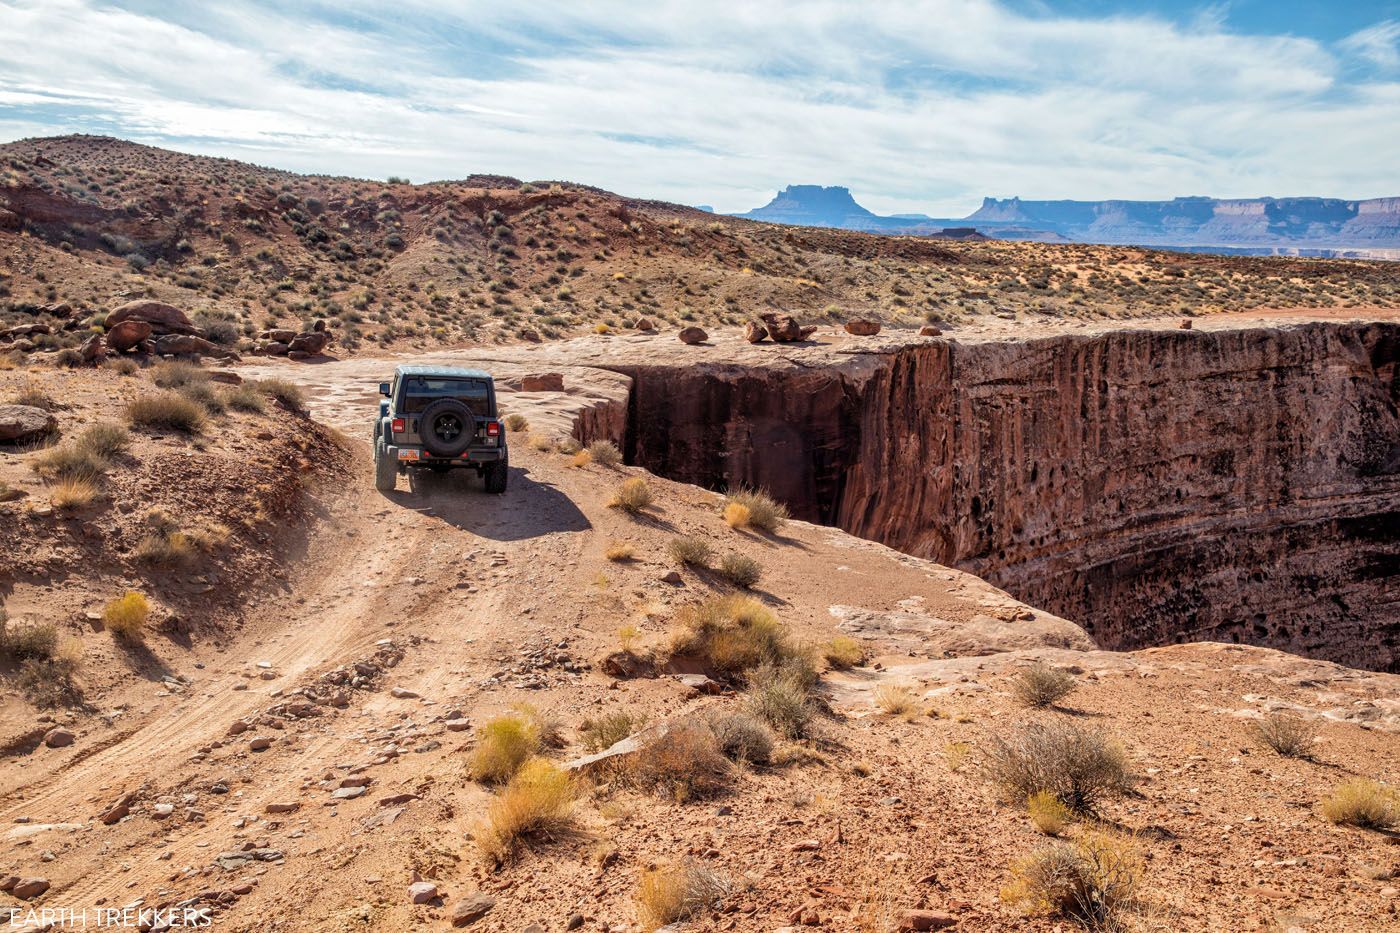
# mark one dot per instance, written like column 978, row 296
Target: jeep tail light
column 493, row 429
column 398, row 425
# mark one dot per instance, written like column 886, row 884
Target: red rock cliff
column 1156, row 486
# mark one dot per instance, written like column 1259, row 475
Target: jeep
column 439, row 418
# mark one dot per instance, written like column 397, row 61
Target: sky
column 916, row 105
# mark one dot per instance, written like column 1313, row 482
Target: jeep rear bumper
column 409, row 456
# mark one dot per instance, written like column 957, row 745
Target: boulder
column 310, row 343
column 273, row 348
column 784, row 328
column 278, row 335
column 127, row 335
column 20, row 424
column 30, row 887
column 163, row 318
column 421, row 892
column 692, row 335
column 645, row 323
column 93, row 349
column 862, row 328
column 24, row 330
column 471, row 909
column 928, row 330
column 542, row 382
column 755, row 332
column 59, row 738
column 1186, row 323
column 188, row 345
column 226, row 377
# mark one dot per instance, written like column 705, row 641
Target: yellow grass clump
column 126, row 615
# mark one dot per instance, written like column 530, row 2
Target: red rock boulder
column 692, row 335
column 163, row 318
column 127, row 335
column 542, row 382
column 862, row 328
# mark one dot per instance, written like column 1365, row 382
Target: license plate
column 408, row 455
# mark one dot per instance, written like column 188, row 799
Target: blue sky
column 917, row 105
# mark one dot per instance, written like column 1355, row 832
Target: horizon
column 1046, row 100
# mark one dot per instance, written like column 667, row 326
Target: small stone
column 928, row 330
column 286, row 806
column 673, row 578
column 471, row 909
column 348, row 793
column 58, row 738
column 925, row 920
column 458, row 725
column 422, row 891
column 161, row 810
column 260, row 743
column 575, row 922
column 403, row 694
column 26, row 888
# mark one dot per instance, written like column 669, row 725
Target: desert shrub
column 1041, row 685
column 843, row 653
column 287, row 394
column 516, row 423
column 581, row 459
column 48, row 682
column 1091, row 880
column 122, row 366
column 691, row 551
column 168, row 410
column 34, row 396
column 538, row 800
column 546, row 725
column 899, row 700
column 764, row 512
column 1363, row 803
column 741, row 570
column 70, row 461
column 126, row 615
column 540, row 442
column 72, row 492
column 203, row 394
column 633, row 496
column 683, row 763
column 1078, row 765
column 780, row 696
column 1290, row 736
column 605, row 453
column 736, row 516
column 502, row 746
column 174, row 547
column 609, row 729
column 620, row 552
column 627, row 636
column 742, row 737
column 178, row 375
column 103, row 441
column 68, row 358
column 674, row 893
column 37, row 640
column 244, row 398
column 1047, row 813
column 734, row 634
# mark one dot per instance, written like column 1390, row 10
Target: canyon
column 1156, row 485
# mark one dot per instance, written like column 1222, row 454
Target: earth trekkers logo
column 82, row 918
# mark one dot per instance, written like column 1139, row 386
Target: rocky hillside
column 89, row 223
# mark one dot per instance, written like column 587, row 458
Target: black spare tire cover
column 447, row 427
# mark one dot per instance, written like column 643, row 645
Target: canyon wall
column 1155, row 486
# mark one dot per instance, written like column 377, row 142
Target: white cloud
column 917, row 106
column 1378, row 44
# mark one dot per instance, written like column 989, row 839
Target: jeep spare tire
column 447, row 427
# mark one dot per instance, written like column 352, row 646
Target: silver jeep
column 439, row 418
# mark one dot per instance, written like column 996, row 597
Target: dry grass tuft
column 780, row 695
column 691, row 551
column 736, row 516
column 1364, row 803
column 72, row 492
column 70, row 461
column 740, row 570
column 516, row 423
column 619, row 552
column 679, row 892
column 765, row 512
column 633, row 496
column 581, row 459
column 169, row 410
column 742, row 737
column 126, row 615
column 1041, row 685
column 735, row 634
column 609, row 729
column 1047, row 813
column 103, row 441
column 502, row 746
column 177, row 375
column 605, row 453
column 1091, row 881
column 38, row 640
column 539, row 800
column 35, row 396
column 1078, row 765
column 844, row 653
column 900, row 700
column 684, row 763
column 1290, row 736
column 540, row 442
column 287, row 394
column 627, row 636
column 245, row 398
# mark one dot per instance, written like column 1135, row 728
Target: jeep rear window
column 420, row 391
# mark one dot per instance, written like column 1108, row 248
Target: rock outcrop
column 1153, row 485
column 163, row 318
column 20, row 424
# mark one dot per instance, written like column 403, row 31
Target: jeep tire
column 386, row 470
column 495, row 475
column 447, row 427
